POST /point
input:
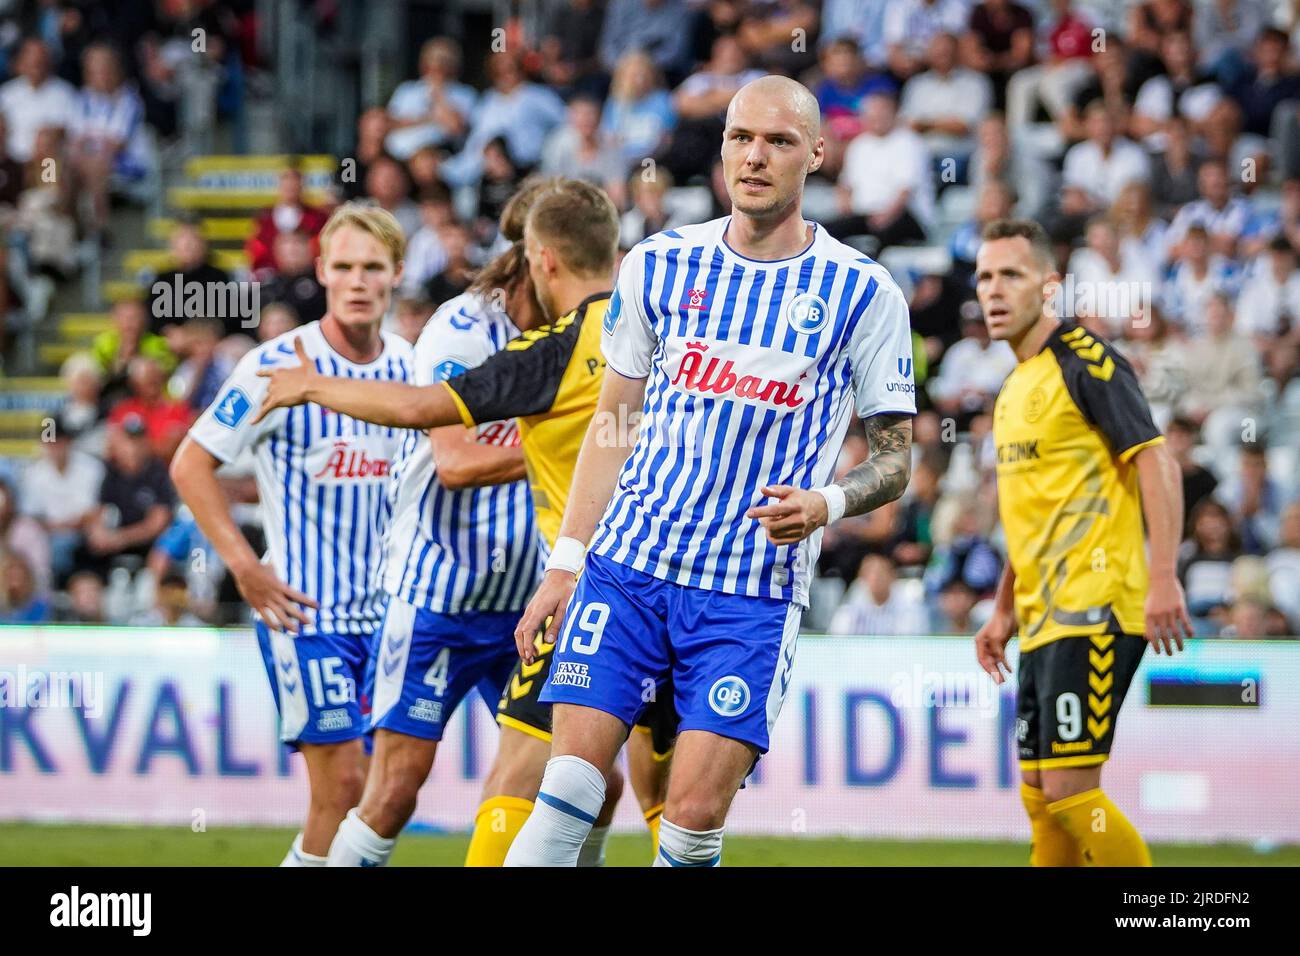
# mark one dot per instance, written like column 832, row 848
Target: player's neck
column 1031, row 343
column 571, row 291
column 768, row 239
column 359, row 344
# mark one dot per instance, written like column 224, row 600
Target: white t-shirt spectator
column 1264, row 301
column 29, row 109
column 413, row 100
column 878, row 168
column 968, row 364
column 1155, row 101
column 52, row 496
column 901, row 615
column 1103, row 176
column 1231, row 220
column 912, row 24
column 963, row 94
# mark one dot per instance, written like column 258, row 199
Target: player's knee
column 388, row 806
column 613, row 791
column 697, row 810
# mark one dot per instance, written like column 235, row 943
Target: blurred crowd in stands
column 1158, row 141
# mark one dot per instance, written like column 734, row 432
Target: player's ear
column 818, row 155
column 320, row 269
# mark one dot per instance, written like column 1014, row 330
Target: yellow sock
column 1104, row 835
column 652, row 818
column 495, row 825
column 1049, row 844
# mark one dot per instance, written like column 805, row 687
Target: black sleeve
column 523, row 378
column 1106, row 389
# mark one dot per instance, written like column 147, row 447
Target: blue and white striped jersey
column 473, row 549
column 324, row 479
column 750, row 369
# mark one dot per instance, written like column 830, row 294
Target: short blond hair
column 371, row 219
column 579, row 222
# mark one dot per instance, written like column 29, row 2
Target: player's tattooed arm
column 883, row 475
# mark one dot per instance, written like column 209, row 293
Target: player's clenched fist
column 547, row 609
column 289, row 386
column 796, row 513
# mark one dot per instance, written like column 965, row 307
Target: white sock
column 593, row 848
column 357, row 845
column 299, row 857
column 679, row 846
column 571, row 795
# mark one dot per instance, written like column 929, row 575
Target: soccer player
column 1080, row 464
column 460, row 560
column 323, row 481
column 746, row 343
column 550, row 379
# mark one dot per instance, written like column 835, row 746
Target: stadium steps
column 153, row 262
column 218, row 230
column 26, row 404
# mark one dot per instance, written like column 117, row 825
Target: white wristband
column 835, row 502
column 567, row 555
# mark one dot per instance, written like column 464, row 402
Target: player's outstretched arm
column 877, row 480
column 194, row 473
column 394, row 404
column 1161, row 484
column 594, row 477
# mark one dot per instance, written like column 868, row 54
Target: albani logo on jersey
column 351, row 459
column 720, row 377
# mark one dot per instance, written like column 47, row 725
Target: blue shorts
column 422, row 664
column 729, row 655
column 314, row 681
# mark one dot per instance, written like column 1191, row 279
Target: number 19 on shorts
column 588, row 625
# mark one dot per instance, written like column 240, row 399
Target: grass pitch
column 23, row 844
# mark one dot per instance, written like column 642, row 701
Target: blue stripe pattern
column 564, row 806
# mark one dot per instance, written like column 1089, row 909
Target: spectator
column 582, row 150
column 58, row 491
column 129, row 337
column 1199, row 482
column 433, row 110
column 500, row 180
column 277, row 318
column 1113, row 84
column 945, row 103
column 202, row 371
column 1260, row 88
column 875, row 606
column 83, row 378
column 1158, row 361
column 23, row 603
column 638, row 116
column 1023, row 171
column 699, row 106
column 109, row 146
column 885, row 187
column 524, row 113
column 44, row 217
column 1269, row 304
column 22, row 535
column 570, row 48
column 1223, row 216
column 289, row 214
column 425, row 256
column 1141, row 232
column 649, row 213
column 1205, row 558
column 860, row 23
column 295, row 284
column 372, row 131
column 1226, row 369
column 388, row 185
column 165, row 420
column 1097, row 169
column 1284, row 567
column 995, row 200
column 972, row 371
column 913, row 541
column 1246, row 619
column 954, row 612
column 136, row 500
column 1175, row 169
column 909, row 27
column 85, row 603
column 457, row 274
column 34, row 99
column 1110, row 281
column 411, row 317
column 658, row 27
column 190, row 265
column 1179, row 89
column 1197, row 276
column 171, row 605
column 1000, row 41
column 963, row 551
column 1226, row 32
column 846, row 81
column 1065, row 69
column 769, row 32
column 1149, row 21
column 1254, row 500
column 425, row 170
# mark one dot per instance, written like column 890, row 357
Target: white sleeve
column 880, row 352
column 629, row 340
column 225, row 429
column 444, row 350
column 1154, row 99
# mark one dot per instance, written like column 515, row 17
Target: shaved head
column 781, row 92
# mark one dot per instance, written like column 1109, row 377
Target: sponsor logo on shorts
column 429, row 711
column 569, row 674
column 729, row 696
column 333, row 720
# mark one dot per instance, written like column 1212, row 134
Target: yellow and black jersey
column 549, row 378
column 1067, row 424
